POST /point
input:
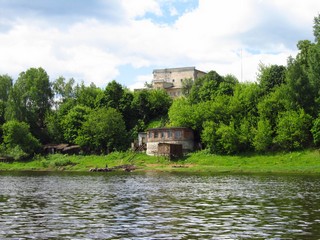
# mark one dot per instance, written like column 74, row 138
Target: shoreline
column 299, row 162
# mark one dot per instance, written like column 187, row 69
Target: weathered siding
column 183, row 136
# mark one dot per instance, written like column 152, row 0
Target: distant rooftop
column 180, row 69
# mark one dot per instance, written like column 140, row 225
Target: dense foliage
column 35, row 111
column 280, row 111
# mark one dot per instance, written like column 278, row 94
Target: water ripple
column 158, row 206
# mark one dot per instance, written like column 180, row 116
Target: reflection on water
column 158, row 206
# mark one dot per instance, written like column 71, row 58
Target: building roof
column 168, row 128
column 179, row 69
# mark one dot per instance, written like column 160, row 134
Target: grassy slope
column 307, row 161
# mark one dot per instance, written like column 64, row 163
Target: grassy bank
column 307, row 161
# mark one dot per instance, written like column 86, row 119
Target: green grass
column 307, row 161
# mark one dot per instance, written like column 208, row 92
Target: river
column 42, row 205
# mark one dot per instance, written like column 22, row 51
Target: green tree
column 112, row 95
column 262, row 141
column 228, row 138
column 244, row 101
column 103, row 132
column 5, row 87
column 30, row 99
column 118, row 97
column 18, row 139
column 54, row 127
column 245, row 134
column 220, row 138
column 187, row 84
column 271, row 76
column 73, row 121
column 88, row 95
column 293, row 130
column 181, row 113
column 316, row 28
column 150, row 104
column 205, row 88
column 303, row 78
column 63, row 90
column 227, row 86
column 276, row 102
column 316, row 131
column 209, row 136
column 159, row 102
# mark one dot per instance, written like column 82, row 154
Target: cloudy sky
column 101, row 40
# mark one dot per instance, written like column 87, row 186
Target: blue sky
column 101, row 40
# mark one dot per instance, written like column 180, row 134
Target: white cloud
column 139, row 8
column 209, row 37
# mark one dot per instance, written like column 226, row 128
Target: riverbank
column 307, row 161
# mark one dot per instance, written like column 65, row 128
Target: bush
column 18, row 140
column 263, row 138
column 316, row 131
column 293, row 130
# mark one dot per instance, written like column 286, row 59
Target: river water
column 37, row 205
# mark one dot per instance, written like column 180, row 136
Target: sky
column 124, row 40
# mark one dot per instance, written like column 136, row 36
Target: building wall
column 170, row 79
column 183, row 136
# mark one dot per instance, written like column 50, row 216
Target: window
column 155, row 134
column 162, row 134
column 177, row 134
column 169, row 134
column 150, row 134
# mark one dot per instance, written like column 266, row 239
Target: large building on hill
column 170, row 79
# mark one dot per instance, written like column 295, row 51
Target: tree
column 263, row 136
column 63, row 90
column 54, row 127
column 209, row 136
column 5, row 87
column 204, row 88
column 244, row 101
column 18, row 139
column 228, row 138
column 181, row 113
column 228, row 85
column 316, row 131
column 293, row 130
column 112, row 95
column 30, row 99
column 276, row 102
column 316, row 28
column 118, row 97
column 159, row 102
column 88, row 95
column 300, row 91
column 271, row 76
column 220, row 138
column 73, row 121
column 187, row 84
column 150, row 104
column 103, row 131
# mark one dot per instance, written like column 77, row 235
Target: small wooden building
column 160, row 139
